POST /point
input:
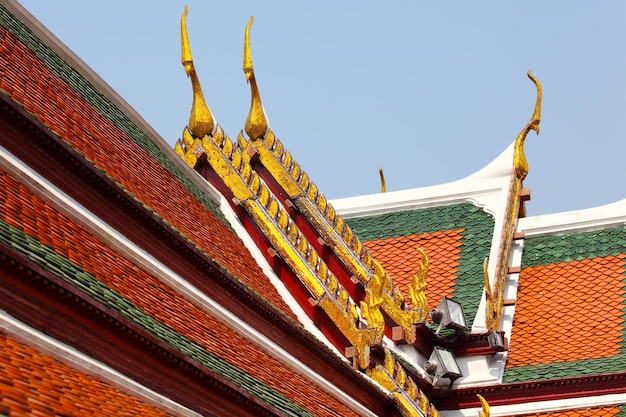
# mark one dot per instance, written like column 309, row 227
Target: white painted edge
column 71, row 357
column 610, row 215
column 536, row 407
column 114, row 239
column 90, row 75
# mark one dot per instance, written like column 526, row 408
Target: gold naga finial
column 256, row 124
column 201, row 121
column 519, row 160
column 383, row 186
column 485, row 410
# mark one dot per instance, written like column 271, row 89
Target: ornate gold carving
column 519, row 159
column 485, row 411
column 494, row 314
column 200, row 120
column 331, row 227
column 383, row 186
column 408, row 397
column 419, row 284
column 256, row 124
column 493, row 311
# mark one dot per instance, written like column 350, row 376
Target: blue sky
column 431, row 92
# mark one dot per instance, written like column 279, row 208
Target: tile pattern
column 400, row 258
column 44, row 235
column 72, row 108
column 558, row 318
column 569, row 318
column 471, row 223
column 34, row 384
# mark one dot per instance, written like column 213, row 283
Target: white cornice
column 610, row 215
column 119, row 243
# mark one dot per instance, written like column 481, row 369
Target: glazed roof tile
column 33, row 75
column 465, row 231
column 79, row 258
column 400, row 257
column 569, row 317
column 34, row 384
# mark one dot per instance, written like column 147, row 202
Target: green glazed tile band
column 476, row 238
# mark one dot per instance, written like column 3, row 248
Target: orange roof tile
column 94, row 136
column 41, row 221
column 400, row 257
column 558, row 318
column 34, row 384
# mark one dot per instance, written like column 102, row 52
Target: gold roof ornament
column 201, row 121
column 257, row 124
column 519, row 160
column 383, row 186
column 485, row 411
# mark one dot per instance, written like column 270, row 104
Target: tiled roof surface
column 569, row 316
column 60, row 98
column 44, row 235
column 400, row 258
column 584, row 412
column 33, row 384
column 456, row 238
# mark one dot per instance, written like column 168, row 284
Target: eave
column 51, row 157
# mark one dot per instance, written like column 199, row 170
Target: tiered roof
column 131, row 283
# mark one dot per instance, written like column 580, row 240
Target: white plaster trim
column 71, row 357
column 480, row 188
column 126, row 248
column 91, row 76
column 542, row 406
column 610, row 215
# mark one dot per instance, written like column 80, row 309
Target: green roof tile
column 74, row 275
column 96, row 99
column 477, row 235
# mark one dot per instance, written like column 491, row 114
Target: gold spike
column 256, row 124
column 492, row 309
column 485, row 409
column 201, row 121
column 383, row 186
column 519, row 159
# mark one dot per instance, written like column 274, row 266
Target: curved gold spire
column 519, row 160
column 383, row 186
column 201, row 121
column 256, row 124
column 484, row 407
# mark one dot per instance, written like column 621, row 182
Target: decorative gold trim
column 201, row 121
column 339, row 236
column 383, row 186
column 495, row 297
column 485, row 409
column 256, row 124
column 408, row 397
column 519, row 159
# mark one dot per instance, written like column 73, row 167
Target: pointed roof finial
column 256, row 124
column 383, row 186
column 201, row 121
column 519, row 159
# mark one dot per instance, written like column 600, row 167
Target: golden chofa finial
column 256, row 124
column 201, row 121
column 519, row 160
column 383, row 186
column 485, row 410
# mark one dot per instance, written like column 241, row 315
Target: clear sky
column 431, row 91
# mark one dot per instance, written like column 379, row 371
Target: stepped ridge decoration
column 363, row 327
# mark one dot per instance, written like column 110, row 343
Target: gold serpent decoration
column 407, row 396
column 332, row 228
column 495, row 308
column 273, row 220
column 485, row 409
